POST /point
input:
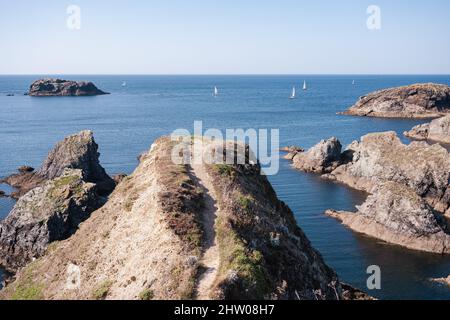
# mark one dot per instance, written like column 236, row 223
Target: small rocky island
column 437, row 130
column 413, row 101
column 168, row 231
column 408, row 187
column 59, row 87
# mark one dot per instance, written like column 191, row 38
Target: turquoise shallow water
column 126, row 122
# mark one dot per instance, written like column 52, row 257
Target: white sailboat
column 353, row 82
column 304, row 85
column 216, row 92
column 293, row 94
column 124, row 84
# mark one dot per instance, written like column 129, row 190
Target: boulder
column 323, row 157
column 414, row 101
column 59, row 87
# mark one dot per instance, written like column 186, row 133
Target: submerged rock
column 413, row 101
column 58, row 87
column 437, row 130
column 323, row 157
column 45, row 214
column 149, row 239
column 396, row 214
column 78, row 151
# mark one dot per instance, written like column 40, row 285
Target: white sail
column 353, row 82
column 216, row 92
column 124, row 84
column 304, row 85
column 293, row 94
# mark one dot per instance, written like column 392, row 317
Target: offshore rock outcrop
column 407, row 182
column 437, row 130
column 46, row 214
column 381, row 157
column 413, row 101
column 323, row 157
column 149, row 239
column 78, row 151
column 445, row 281
column 396, row 214
column 59, row 87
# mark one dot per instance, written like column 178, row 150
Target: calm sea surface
column 126, row 122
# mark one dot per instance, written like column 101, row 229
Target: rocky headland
column 54, row 200
column 414, row 101
column 437, row 130
column 59, row 87
column 396, row 214
column 173, row 231
column 408, row 185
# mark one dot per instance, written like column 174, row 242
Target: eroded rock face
column 78, row 151
column 381, row 157
column 59, row 87
column 414, row 101
column 438, row 130
column 323, row 157
column 396, row 214
column 45, row 214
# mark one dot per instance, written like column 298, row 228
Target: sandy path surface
column 211, row 259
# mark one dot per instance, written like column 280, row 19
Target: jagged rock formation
column 78, row 151
column 323, row 157
column 380, row 157
column 47, row 213
column 437, row 130
column 445, row 281
column 152, row 240
column 409, row 186
column 58, row 87
column 396, row 214
column 414, row 101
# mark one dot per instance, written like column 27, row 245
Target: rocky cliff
column 171, row 231
column 54, row 200
column 382, row 165
column 414, row 101
column 78, row 151
column 437, row 130
column 58, row 87
column 47, row 213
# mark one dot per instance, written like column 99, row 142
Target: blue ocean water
column 126, row 122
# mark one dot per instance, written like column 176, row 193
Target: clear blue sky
column 224, row 37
